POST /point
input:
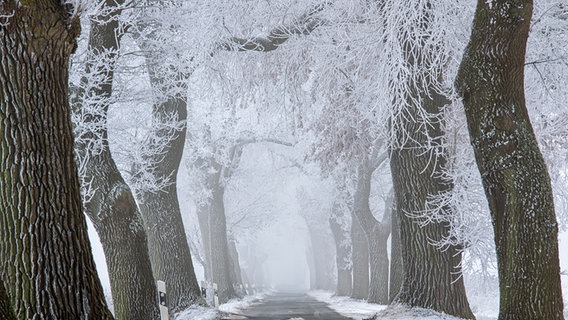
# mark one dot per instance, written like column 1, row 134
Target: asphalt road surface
column 287, row 306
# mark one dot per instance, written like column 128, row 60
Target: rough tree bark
column 360, row 258
column 6, row 311
column 396, row 270
column 112, row 207
column 432, row 277
column 342, row 249
column 167, row 242
column 514, row 175
column 47, row 264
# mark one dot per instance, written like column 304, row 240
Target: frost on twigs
column 546, row 68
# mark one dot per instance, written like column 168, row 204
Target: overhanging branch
column 303, row 25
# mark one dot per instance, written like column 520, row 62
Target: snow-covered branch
column 303, row 25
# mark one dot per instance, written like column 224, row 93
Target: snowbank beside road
column 359, row 309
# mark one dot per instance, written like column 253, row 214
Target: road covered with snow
column 289, row 306
column 311, row 306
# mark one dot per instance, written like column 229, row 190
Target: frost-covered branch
column 303, row 25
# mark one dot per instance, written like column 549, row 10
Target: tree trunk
column 379, row 267
column 360, row 260
column 322, row 257
column 432, row 277
column 47, row 263
column 213, row 224
column 112, row 207
column 343, row 251
column 396, row 270
column 203, row 220
column 167, row 242
column 514, row 175
column 236, row 274
column 376, row 234
column 168, row 246
column 221, row 270
column 6, row 311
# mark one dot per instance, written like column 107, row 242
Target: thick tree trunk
column 221, row 267
column 112, row 208
column 379, row 267
column 360, row 257
column 514, row 175
column 236, row 274
column 47, row 264
column 376, row 234
column 167, row 242
column 396, row 270
column 203, row 220
column 344, row 282
column 343, row 251
column 6, row 311
column 213, row 224
column 432, row 277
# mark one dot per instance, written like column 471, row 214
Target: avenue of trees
column 424, row 140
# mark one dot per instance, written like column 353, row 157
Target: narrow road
column 286, row 306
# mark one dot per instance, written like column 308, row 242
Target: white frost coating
column 489, row 3
column 198, row 313
column 5, row 18
column 235, row 305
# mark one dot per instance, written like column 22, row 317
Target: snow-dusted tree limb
column 245, row 141
column 303, row 25
column 236, row 151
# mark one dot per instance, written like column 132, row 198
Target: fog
column 285, row 245
column 269, row 222
column 263, row 215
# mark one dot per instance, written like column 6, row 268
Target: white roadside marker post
column 215, row 296
column 204, row 289
column 163, row 300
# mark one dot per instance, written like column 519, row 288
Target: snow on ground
column 209, row 313
column 400, row 312
column 234, row 305
column 359, row 309
column 198, row 313
column 355, row 309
